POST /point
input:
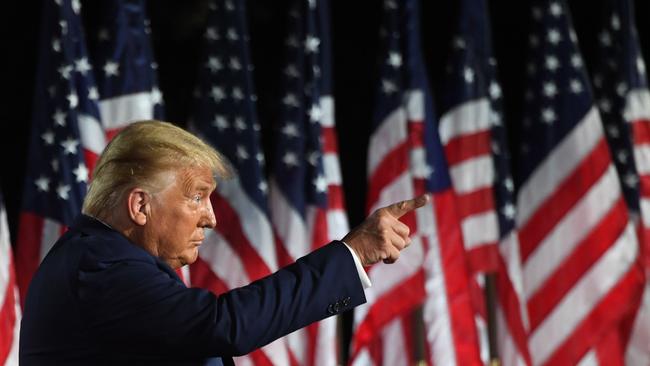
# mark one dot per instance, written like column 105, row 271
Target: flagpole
column 490, row 302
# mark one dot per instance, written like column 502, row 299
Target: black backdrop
column 177, row 28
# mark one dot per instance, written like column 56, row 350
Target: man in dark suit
column 107, row 292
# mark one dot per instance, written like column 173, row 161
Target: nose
column 209, row 220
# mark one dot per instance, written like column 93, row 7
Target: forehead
column 200, row 178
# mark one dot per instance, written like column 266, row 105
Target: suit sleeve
column 161, row 316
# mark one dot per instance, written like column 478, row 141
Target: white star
column 111, row 68
column 616, row 23
column 312, row 4
column 388, row 87
column 537, row 13
column 508, row 211
column 81, row 172
column 290, row 130
column 576, row 60
column 156, row 96
column 55, row 165
column 320, row 183
column 605, row 105
column 291, row 71
column 576, row 86
column 311, row 44
column 73, row 99
column 316, row 70
column 234, row 64
column 555, row 9
column 214, row 64
column 260, row 158
column 605, row 38
column 495, row 148
column 313, row 158
column 211, row 34
column 290, row 159
column 621, row 156
column 459, row 43
column 621, row 88
column 394, row 59
column 230, row 6
column 573, row 36
column 220, row 122
column 59, row 117
column 217, row 94
column 242, row 154
column 43, row 184
column 548, row 115
column 48, row 137
column 52, row 91
column 93, row 94
column 510, row 186
column 640, row 65
column 70, row 145
column 237, row 94
column 613, row 131
column 76, row 6
column 240, row 125
column 315, row 113
column 82, row 66
column 631, row 179
column 290, row 100
column 232, row 34
column 554, row 36
column 263, row 187
column 65, row 71
column 64, row 27
column 63, row 191
column 550, row 90
column 468, row 75
column 495, row 90
column 552, row 63
column 56, row 45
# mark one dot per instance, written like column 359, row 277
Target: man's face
column 179, row 214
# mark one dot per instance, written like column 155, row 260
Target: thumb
column 398, row 209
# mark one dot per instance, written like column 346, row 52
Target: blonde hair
column 139, row 155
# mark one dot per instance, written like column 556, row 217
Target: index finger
column 398, row 209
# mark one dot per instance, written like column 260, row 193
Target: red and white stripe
column 316, row 344
column 9, row 301
column 242, row 252
column 120, row 111
column 577, row 246
column 433, row 267
column 637, row 114
column 465, row 135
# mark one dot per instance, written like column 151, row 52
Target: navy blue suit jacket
column 98, row 298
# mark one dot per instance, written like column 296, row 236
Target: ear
column 139, row 205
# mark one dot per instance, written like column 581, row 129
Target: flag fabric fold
column 241, row 248
column 10, row 313
column 306, row 199
column 577, row 243
column 66, row 137
column 405, row 158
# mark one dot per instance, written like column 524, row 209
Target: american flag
column 9, row 302
column 623, row 99
column 306, row 200
column 406, row 159
column 125, row 70
column 241, row 249
column 577, row 243
column 473, row 134
column 66, row 136
column 125, row 67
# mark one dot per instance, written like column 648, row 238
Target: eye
column 197, row 198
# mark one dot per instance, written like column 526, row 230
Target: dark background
column 177, row 29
